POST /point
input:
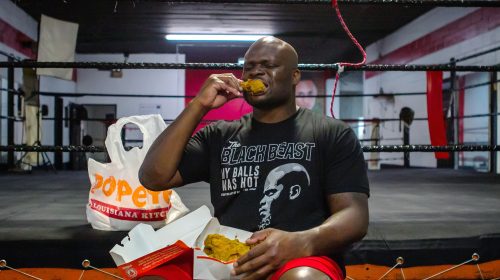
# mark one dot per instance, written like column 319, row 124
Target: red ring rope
column 342, row 64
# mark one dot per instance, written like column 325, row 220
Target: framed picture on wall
column 312, row 84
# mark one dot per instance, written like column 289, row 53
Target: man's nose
column 255, row 71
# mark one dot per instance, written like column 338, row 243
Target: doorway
column 94, row 129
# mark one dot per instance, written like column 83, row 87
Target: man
column 306, row 88
column 296, row 179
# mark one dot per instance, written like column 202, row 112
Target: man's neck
column 274, row 115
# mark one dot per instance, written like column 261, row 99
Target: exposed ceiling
column 126, row 26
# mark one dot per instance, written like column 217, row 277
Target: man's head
column 275, row 63
column 306, row 88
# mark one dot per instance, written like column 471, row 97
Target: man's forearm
column 273, row 248
column 345, row 226
column 164, row 156
column 158, row 171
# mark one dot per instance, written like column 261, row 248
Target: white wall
column 351, row 83
column 140, row 81
column 476, row 102
column 336, row 104
column 134, row 81
column 161, row 82
column 51, row 84
column 476, row 130
column 17, row 18
column 419, row 27
column 24, row 23
column 416, row 81
column 498, row 122
column 347, row 107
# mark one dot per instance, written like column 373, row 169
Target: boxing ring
column 424, row 223
column 44, row 224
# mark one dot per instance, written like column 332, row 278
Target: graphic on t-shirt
column 241, row 164
column 272, row 190
column 235, row 153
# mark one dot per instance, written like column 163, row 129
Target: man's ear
column 296, row 77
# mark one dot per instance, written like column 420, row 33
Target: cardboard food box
column 145, row 249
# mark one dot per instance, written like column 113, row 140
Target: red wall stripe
column 467, row 27
column 15, row 39
column 20, row 42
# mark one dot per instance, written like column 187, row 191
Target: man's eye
column 270, row 192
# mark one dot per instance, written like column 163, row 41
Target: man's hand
column 274, row 248
column 217, row 90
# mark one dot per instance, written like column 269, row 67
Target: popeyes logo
column 119, row 190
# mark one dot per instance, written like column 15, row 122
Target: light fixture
column 213, row 37
column 118, row 73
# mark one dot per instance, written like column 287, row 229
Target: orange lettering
column 123, row 189
column 139, row 193
column 111, row 181
column 166, row 195
column 154, row 195
column 98, row 182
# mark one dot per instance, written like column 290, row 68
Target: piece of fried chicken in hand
column 224, row 249
column 253, row 87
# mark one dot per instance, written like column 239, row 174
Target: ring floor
column 427, row 216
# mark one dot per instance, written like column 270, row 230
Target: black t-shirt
column 275, row 175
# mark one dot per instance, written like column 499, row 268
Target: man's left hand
column 274, row 248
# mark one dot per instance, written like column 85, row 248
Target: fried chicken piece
column 224, row 249
column 253, row 87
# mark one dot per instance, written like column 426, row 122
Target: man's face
column 306, row 88
column 269, row 62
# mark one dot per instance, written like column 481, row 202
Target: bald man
column 295, row 178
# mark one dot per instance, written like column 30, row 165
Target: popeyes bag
column 117, row 200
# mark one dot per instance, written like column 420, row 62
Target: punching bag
column 435, row 115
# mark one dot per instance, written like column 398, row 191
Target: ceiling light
column 212, row 37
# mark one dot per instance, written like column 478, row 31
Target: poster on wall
column 312, row 84
column 57, row 44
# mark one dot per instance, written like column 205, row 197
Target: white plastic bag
column 117, row 200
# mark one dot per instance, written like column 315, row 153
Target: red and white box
column 175, row 249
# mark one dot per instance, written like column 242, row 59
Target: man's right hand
column 217, row 90
column 159, row 172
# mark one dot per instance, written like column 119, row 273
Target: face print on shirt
column 265, row 178
column 273, row 190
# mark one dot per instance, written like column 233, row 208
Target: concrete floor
column 406, row 205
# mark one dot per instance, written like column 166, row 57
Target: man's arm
column 347, row 224
column 159, row 171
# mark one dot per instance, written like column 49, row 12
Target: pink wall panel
column 233, row 110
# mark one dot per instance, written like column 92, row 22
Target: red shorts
column 323, row 264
